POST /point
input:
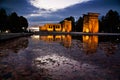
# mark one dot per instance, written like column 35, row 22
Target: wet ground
column 60, row 57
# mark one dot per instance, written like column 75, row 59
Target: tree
column 13, row 22
column 110, row 21
column 3, row 20
column 23, row 23
column 79, row 25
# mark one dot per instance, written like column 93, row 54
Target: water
column 60, row 57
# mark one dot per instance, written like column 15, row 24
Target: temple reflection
column 90, row 44
column 65, row 40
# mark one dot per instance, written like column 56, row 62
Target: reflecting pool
column 60, row 57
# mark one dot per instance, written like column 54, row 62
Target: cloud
column 45, row 11
column 55, row 4
column 96, row 6
column 22, row 7
column 49, row 18
column 75, row 11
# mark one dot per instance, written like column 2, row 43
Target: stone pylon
column 91, row 23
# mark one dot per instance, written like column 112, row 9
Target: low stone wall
column 7, row 36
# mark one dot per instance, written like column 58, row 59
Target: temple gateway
column 90, row 23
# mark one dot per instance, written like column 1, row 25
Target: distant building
column 90, row 22
column 33, row 29
column 66, row 26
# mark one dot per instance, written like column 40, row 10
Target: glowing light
column 36, row 37
column 57, row 65
column 87, row 30
column 34, row 29
column 6, row 31
column 118, row 28
column 86, row 37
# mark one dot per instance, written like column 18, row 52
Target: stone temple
column 90, row 23
column 66, row 26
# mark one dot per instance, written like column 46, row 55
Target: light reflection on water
column 61, row 57
column 63, row 39
column 62, row 66
column 90, row 44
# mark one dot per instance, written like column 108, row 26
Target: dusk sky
column 39, row 12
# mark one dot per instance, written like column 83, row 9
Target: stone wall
column 91, row 23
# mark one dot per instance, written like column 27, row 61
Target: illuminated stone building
column 66, row 26
column 41, row 28
column 90, row 22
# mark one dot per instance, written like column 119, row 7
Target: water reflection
column 65, row 40
column 13, row 45
column 48, row 60
column 63, row 68
column 108, row 48
column 35, row 37
column 90, row 44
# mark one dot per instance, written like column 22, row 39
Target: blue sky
column 52, row 11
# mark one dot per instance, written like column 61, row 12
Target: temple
column 90, row 23
column 66, row 26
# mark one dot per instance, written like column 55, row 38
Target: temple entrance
column 90, row 23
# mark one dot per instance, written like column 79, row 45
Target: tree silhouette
column 23, row 23
column 3, row 20
column 110, row 22
column 13, row 22
column 79, row 25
